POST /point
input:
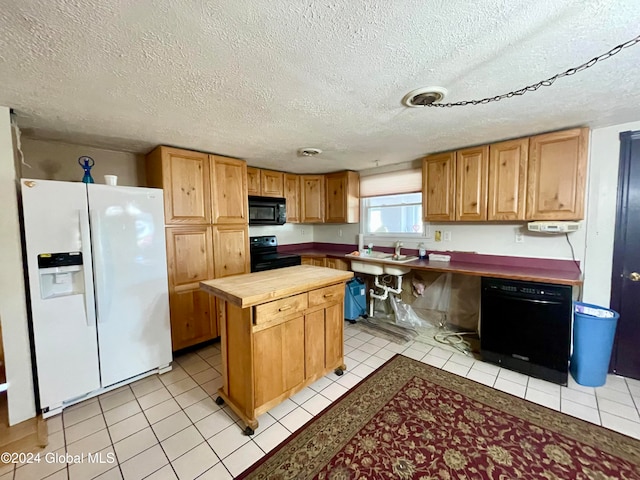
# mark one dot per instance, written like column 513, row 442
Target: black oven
column 526, row 327
column 265, row 256
column 267, row 210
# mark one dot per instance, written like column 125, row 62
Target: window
column 393, row 214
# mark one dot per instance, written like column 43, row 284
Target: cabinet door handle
column 284, row 307
column 327, row 295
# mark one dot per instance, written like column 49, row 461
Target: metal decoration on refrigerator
column 96, row 263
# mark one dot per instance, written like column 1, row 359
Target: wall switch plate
column 340, row 232
column 438, row 236
column 447, row 236
column 519, row 237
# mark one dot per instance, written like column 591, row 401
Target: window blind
column 401, row 181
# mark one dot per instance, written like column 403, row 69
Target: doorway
column 625, row 281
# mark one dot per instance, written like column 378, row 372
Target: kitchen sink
column 369, row 268
column 403, row 259
column 395, row 269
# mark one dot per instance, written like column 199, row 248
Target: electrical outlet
column 519, row 237
column 438, row 236
column 340, row 232
column 302, row 231
column 427, row 232
column 447, row 236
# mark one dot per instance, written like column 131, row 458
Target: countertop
column 493, row 268
column 260, row 287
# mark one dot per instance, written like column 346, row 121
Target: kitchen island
column 280, row 330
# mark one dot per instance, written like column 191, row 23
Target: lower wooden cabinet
column 190, row 261
column 193, row 318
column 230, row 250
column 336, row 263
column 275, row 349
column 279, row 359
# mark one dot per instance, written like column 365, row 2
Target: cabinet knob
column 634, row 277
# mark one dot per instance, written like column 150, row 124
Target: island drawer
column 268, row 312
column 333, row 293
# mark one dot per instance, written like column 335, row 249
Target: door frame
column 622, row 213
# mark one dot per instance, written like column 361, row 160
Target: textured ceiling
column 258, row 79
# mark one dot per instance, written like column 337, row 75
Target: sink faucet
column 398, row 248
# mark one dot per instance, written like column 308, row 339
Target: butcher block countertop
column 260, row 287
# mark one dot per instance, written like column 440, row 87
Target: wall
column 51, row 160
column 601, row 212
column 12, row 301
column 287, row 234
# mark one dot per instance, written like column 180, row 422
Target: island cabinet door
column 278, row 359
column 333, row 335
column 314, row 343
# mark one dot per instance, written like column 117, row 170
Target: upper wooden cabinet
column 184, row 176
column 557, row 173
column 472, row 169
column 228, row 190
column 342, row 197
column 507, row 179
column 272, row 183
column 438, row 189
column 489, row 182
column 312, row 198
column 253, row 181
column 231, row 248
column 265, row 183
column 292, row 196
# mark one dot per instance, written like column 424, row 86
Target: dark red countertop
column 563, row 272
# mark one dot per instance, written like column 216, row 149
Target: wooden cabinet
column 231, row 248
column 342, row 197
column 438, row 190
column 337, row 263
column 279, row 359
column 507, row 179
column 253, row 181
column 472, row 170
column 184, row 176
column 228, row 190
column 312, row 198
column 189, row 261
column 292, row 195
column 206, row 212
column 489, row 182
column 318, row 261
column 265, row 183
column 279, row 334
column 271, row 183
column 556, row 175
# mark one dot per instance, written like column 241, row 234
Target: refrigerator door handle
column 85, row 240
column 99, row 266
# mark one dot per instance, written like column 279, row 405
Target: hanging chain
column 543, row 83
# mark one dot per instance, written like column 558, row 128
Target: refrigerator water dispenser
column 61, row 274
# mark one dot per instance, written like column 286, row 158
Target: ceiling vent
column 309, row 152
column 421, row 97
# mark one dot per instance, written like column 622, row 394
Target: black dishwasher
column 526, row 327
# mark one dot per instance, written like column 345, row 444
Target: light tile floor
column 167, row 427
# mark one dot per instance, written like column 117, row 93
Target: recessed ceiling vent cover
column 424, row 96
column 309, row 152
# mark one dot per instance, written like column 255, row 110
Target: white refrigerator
column 98, row 290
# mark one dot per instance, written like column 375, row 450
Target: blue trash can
column 593, row 330
column 355, row 302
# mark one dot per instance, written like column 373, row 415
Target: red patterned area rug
column 408, row 420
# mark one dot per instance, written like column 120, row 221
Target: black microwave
column 267, row 210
